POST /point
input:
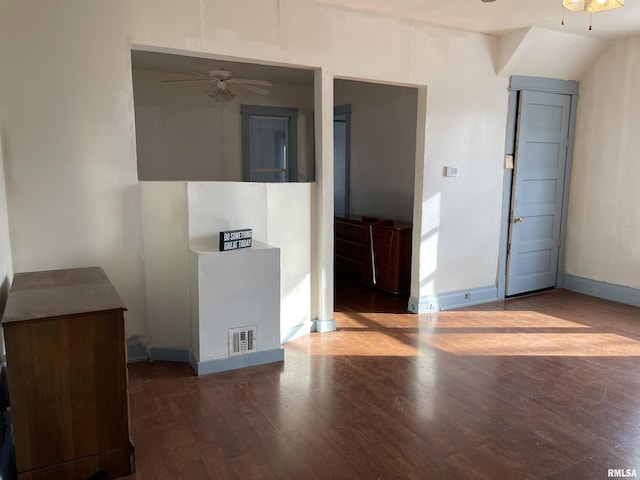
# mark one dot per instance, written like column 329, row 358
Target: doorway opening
column 374, row 173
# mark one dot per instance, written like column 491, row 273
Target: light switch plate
column 452, row 171
column 508, row 162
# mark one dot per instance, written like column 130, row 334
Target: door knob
column 518, row 219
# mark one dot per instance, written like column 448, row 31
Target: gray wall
column 383, row 140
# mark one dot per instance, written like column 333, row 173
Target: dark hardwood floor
column 545, row 386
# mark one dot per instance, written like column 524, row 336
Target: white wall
column 177, row 215
column 279, row 215
column 166, row 261
column 67, row 107
column 6, row 267
column 465, row 127
column 232, row 290
column 604, row 207
column 67, row 110
column 542, row 52
column 181, row 134
column 383, row 148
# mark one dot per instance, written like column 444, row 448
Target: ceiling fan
column 220, row 80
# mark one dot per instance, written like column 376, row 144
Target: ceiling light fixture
column 222, row 95
column 590, row 6
column 219, row 91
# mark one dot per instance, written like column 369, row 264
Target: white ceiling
column 503, row 16
column 498, row 18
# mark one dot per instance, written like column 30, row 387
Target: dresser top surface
column 58, row 293
column 363, row 220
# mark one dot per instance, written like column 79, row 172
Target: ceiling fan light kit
column 222, row 95
column 590, row 7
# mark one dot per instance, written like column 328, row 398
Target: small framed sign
column 234, row 239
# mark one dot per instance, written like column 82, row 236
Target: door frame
column 345, row 111
column 545, row 85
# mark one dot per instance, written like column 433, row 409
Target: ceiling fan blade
column 210, row 89
column 199, row 78
column 188, row 80
column 249, row 81
column 254, row 89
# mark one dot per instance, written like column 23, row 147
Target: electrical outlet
column 413, row 306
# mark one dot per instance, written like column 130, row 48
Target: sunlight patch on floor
column 501, row 319
column 537, row 344
column 472, row 333
column 359, row 343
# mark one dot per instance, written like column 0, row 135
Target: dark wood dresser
column 67, row 375
column 374, row 251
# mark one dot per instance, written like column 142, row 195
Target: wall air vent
column 242, row 340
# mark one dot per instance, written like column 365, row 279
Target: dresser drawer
column 346, row 248
column 363, row 247
column 353, row 232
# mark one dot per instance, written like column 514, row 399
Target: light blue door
column 538, row 186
